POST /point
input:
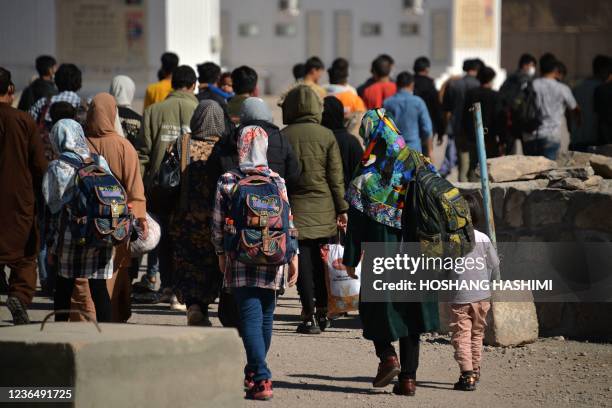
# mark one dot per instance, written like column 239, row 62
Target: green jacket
column 163, row 122
column 318, row 196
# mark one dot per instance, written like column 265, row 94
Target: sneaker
column 176, row 305
column 249, row 382
column 466, row 382
column 405, row 387
column 388, row 369
column 309, row 326
column 323, row 322
column 18, row 310
column 148, row 298
column 165, row 295
column 145, row 284
column 195, row 317
column 261, row 391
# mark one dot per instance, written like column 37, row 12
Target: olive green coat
column 385, row 321
column 318, row 196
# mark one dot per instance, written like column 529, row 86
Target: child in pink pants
column 468, row 317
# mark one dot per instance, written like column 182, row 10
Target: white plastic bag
column 342, row 290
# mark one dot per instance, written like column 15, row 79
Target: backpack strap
column 76, row 163
column 183, row 144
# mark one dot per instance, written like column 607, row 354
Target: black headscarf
column 333, row 113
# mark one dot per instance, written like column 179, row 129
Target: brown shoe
column 405, row 387
column 387, row 371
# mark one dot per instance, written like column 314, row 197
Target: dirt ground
column 335, row 369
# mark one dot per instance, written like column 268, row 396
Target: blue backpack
column 259, row 230
column 99, row 215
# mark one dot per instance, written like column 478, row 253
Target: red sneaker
column 261, row 391
column 249, row 382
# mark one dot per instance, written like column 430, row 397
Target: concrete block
column 511, row 324
column 127, row 365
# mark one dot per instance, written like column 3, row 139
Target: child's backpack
column 259, row 230
column 99, row 215
column 436, row 215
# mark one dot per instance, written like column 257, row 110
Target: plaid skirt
column 76, row 261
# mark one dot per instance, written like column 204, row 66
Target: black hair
column 473, row 202
column 387, row 58
column 313, row 63
column 527, row 59
column 299, row 71
column 339, row 71
column 561, row 68
column 183, row 77
column 5, row 81
column 44, row 63
column 68, row 78
column 223, row 76
column 602, row 66
column 472, row 64
column 421, row 64
column 381, row 67
column 404, row 79
column 485, row 75
column 62, row 110
column 169, row 62
column 244, row 80
column 548, row 64
column 209, row 73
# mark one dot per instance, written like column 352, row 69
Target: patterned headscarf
column 387, row 166
column 207, row 120
column 67, row 139
column 253, row 150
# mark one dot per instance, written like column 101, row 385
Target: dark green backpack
column 436, row 215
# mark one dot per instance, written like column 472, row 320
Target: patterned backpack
column 259, row 230
column 99, row 215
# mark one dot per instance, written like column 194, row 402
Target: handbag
column 174, row 164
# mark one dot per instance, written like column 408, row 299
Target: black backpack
column 436, row 216
column 525, row 113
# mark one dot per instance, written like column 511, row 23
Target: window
column 409, row 29
column 413, row 6
column 371, row 29
column 286, row 30
column 248, row 30
column 289, row 7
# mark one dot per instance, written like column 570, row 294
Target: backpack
column 436, row 216
column 99, row 215
column 259, row 230
column 525, row 113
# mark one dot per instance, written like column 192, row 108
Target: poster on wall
column 474, row 23
column 103, row 37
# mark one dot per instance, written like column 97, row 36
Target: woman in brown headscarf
column 122, row 159
column 198, row 276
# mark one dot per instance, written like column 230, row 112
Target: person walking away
column 198, row 279
column 312, row 73
column 453, row 103
column 376, row 200
column 411, row 116
column 553, row 99
column 280, row 155
column 514, row 93
column 587, row 133
column 244, row 80
column 22, row 166
column 163, row 123
column 350, row 148
column 41, row 87
column 317, row 200
column 122, row 159
column 158, row 91
column 425, row 88
column 493, row 119
column 346, row 94
column 209, row 74
column 298, row 71
column 469, row 308
column 603, row 108
column 371, row 80
column 382, row 88
column 71, row 259
column 253, row 286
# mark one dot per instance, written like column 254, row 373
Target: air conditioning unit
column 414, row 7
column 289, row 7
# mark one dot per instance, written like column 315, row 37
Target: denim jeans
column 256, row 308
column 450, row 157
column 542, row 147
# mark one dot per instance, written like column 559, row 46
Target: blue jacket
column 411, row 117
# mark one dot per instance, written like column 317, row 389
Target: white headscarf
column 123, row 89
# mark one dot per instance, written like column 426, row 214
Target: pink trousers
column 467, row 323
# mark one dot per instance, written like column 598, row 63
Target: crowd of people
column 255, row 203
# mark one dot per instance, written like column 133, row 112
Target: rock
column 126, row 365
column 593, row 181
column 579, row 172
column 570, row 183
column 544, row 207
column 596, row 216
column 513, row 207
column 517, row 167
column 602, row 165
column 559, row 338
column 512, row 324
